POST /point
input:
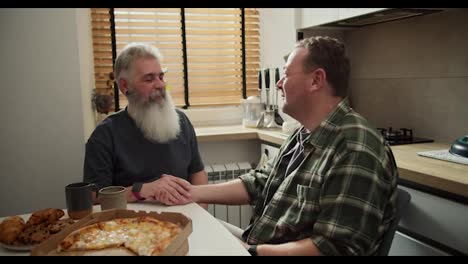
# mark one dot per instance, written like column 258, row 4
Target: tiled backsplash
column 413, row 73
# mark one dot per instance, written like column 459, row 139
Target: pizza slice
column 142, row 235
column 153, row 236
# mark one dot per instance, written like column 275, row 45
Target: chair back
column 403, row 199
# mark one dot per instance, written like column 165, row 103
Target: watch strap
column 252, row 250
column 136, row 188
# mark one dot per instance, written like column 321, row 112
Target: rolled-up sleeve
column 255, row 180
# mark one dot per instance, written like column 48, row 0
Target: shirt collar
column 319, row 137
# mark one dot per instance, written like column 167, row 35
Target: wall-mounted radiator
column 238, row 215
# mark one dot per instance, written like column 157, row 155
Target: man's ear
column 318, row 79
column 123, row 85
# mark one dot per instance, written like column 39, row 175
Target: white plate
column 16, row 247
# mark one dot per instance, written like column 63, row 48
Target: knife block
column 269, row 119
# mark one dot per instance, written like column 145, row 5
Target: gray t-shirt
column 117, row 153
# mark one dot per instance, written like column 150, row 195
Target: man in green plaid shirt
column 332, row 188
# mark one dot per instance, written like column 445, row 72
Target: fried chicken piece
column 48, row 215
column 10, row 228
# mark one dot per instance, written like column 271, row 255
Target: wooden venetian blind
column 214, row 55
column 252, row 50
column 161, row 27
column 214, row 49
column 102, row 49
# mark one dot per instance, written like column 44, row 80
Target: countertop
column 437, row 174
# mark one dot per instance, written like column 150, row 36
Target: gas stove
column 401, row 137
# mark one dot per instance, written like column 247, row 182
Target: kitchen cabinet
column 270, row 151
column 437, row 219
column 316, row 16
column 404, row 245
column 344, row 13
column 310, row 17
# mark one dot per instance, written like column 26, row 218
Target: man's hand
column 168, row 190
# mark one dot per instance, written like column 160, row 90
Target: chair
column 235, row 231
column 403, row 199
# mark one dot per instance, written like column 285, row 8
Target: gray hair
column 128, row 55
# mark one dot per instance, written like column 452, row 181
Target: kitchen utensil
column 260, row 85
column 267, row 87
column 278, row 119
column 269, row 119
column 460, row 147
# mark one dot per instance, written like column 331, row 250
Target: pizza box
column 178, row 247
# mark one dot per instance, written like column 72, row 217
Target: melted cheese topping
column 140, row 235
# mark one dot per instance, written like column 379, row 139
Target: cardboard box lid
column 179, row 245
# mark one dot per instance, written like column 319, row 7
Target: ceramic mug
column 113, row 197
column 79, row 197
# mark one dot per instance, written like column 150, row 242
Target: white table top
column 209, row 237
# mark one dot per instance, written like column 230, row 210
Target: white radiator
column 238, row 215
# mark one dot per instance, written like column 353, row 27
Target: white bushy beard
column 158, row 120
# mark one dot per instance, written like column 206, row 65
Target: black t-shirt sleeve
column 196, row 164
column 98, row 163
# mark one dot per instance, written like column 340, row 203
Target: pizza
column 143, row 235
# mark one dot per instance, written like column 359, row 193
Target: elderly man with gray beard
column 150, row 147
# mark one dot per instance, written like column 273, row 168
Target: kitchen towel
column 444, row 154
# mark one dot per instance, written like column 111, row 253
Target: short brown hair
column 330, row 54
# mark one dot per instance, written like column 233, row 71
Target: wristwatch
column 136, row 188
column 252, row 250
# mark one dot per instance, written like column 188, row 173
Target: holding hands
column 168, row 189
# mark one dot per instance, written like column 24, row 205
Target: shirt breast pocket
column 298, row 222
column 308, row 199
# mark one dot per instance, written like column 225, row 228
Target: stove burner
column 404, row 134
column 401, row 136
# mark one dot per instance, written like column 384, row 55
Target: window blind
column 102, row 50
column 160, row 27
column 214, row 49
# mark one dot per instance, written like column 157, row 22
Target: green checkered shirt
column 342, row 196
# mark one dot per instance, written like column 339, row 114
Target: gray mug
column 113, row 197
column 79, row 197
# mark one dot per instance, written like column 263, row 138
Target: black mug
column 79, row 198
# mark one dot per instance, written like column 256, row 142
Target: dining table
column 208, row 238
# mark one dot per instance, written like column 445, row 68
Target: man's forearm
column 304, row 247
column 233, row 192
column 200, row 178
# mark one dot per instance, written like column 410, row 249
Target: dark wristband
column 252, row 250
column 136, row 188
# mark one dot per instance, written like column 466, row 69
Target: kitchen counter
column 238, row 132
column 436, row 174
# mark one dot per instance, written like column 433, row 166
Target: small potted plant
column 102, row 102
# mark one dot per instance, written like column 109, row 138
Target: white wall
column 230, row 151
column 85, row 51
column 42, row 119
column 277, row 39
